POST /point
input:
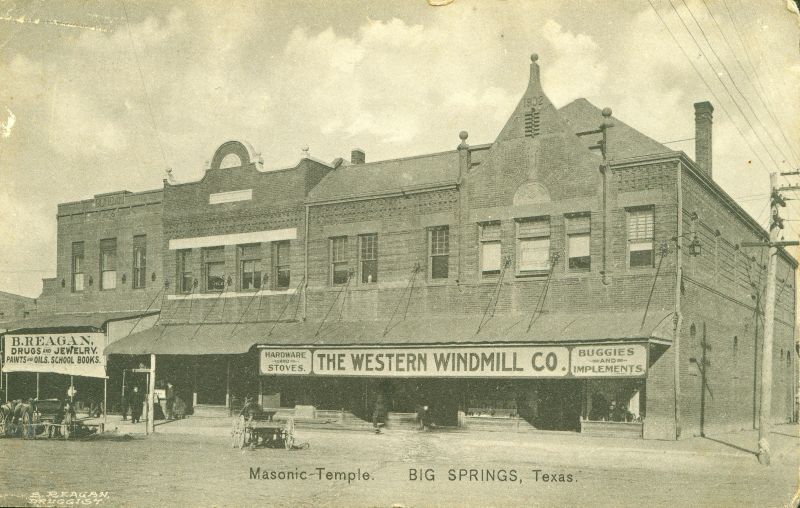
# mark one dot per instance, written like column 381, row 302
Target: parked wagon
column 48, row 418
column 260, row 429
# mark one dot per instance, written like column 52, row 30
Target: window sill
column 532, row 273
column 230, row 294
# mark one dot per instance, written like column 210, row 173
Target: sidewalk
column 784, row 439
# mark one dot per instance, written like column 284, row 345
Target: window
column 578, row 242
column 439, row 252
column 139, row 261
column 250, row 266
column 339, row 263
column 282, row 272
column 108, row 263
column 533, row 245
column 490, row 249
column 77, row 266
column 640, row 237
column 369, row 258
column 214, row 268
column 185, row 277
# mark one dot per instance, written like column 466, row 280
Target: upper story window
column 439, row 252
column 250, row 266
column 533, row 245
column 641, row 230
column 579, row 238
column 490, row 248
column 77, row 266
column 369, row 258
column 281, row 270
column 108, row 263
column 185, row 277
column 139, row 261
column 214, row 268
column 340, row 264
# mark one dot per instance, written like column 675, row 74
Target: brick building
column 531, row 282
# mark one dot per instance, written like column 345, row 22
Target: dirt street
column 362, row 469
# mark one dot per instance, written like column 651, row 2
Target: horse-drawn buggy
column 256, row 427
column 47, row 418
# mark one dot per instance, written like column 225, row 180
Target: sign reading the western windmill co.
column 511, row 361
column 77, row 354
column 609, row 361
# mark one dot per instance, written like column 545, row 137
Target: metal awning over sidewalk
column 547, row 328
column 70, row 322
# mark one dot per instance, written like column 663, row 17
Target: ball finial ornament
column 534, row 57
column 463, row 135
column 606, row 112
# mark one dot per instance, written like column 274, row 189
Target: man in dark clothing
column 135, row 400
column 379, row 414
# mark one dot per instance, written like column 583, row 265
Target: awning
column 191, row 339
column 70, row 322
column 546, row 328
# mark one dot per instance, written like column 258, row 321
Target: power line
column 700, row 75
column 737, row 31
column 144, row 84
column 747, row 76
column 727, row 90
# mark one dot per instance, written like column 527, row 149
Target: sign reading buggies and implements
column 481, row 361
column 78, row 354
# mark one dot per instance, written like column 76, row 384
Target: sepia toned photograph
column 418, row 253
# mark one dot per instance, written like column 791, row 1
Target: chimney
column 357, row 156
column 703, row 118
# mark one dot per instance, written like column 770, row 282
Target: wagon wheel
column 288, row 437
column 2, row 425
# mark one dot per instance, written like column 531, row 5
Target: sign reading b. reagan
column 78, row 354
column 487, row 361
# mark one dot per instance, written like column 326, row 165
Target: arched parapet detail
column 233, row 154
column 530, row 193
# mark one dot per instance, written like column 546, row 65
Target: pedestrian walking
column 136, row 405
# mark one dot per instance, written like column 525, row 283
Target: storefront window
column 250, row 266
column 185, row 278
column 533, row 245
column 369, row 258
column 640, row 223
column 439, row 252
column 77, row 266
column 339, row 262
column 615, row 400
column 578, row 242
column 108, row 263
column 214, row 268
column 282, row 267
column 490, row 248
column 139, row 261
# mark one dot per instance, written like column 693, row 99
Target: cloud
column 578, row 69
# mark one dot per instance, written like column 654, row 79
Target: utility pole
column 775, row 227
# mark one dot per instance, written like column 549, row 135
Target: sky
column 97, row 97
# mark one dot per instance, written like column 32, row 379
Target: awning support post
column 37, row 386
column 228, row 383
column 71, row 389
column 105, row 399
column 151, row 393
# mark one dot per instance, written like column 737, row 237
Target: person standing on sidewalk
column 136, row 405
column 379, row 414
column 169, row 405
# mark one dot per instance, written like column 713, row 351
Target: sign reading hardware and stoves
column 78, row 354
column 481, row 361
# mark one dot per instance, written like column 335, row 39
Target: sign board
column 503, row 362
column 77, row 354
column 613, row 360
column 609, row 361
